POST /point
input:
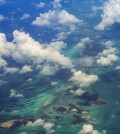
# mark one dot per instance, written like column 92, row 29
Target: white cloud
column 107, row 60
column 29, row 80
column 88, row 129
column 54, row 83
column 30, row 49
column 117, row 68
column 64, row 32
column 73, row 70
column 104, row 61
column 59, row 20
column 110, row 50
column 61, row 36
column 15, row 94
column 57, row 46
column 48, row 127
column 24, row 49
column 108, row 44
column 84, row 61
column 57, row 4
column 26, row 69
column 12, row 93
column 78, row 92
column 111, row 14
column 49, row 69
column 40, row 122
column 6, row 48
column 83, row 79
column 11, row 70
column 25, row 16
column 112, row 57
column 107, row 56
column 55, row 18
column 19, row 96
column 40, row 5
column 3, row 63
column 85, row 41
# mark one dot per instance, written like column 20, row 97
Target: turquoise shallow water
column 41, row 99
column 103, row 117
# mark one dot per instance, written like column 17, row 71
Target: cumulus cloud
column 48, row 127
column 25, row 16
column 107, row 56
column 11, row 70
column 83, row 79
column 6, row 48
column 58, row 19
column 111, row 14
column 108, row 43
column 85, row 41
column 86, row 61
column 26, row 69
column 15, row 94
column 117, row 68
column 78, row 92
column 49, row 69
column 29, row 48
column 57, row 4
column 54, row 83
column 24, row 49
column 88, row 129
column 111, row 50
column 29, row 80
column 40, row 122
column 57, row 46
column 107, row 60
column 3, row 63
column 62, row 35
column 55, row 18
